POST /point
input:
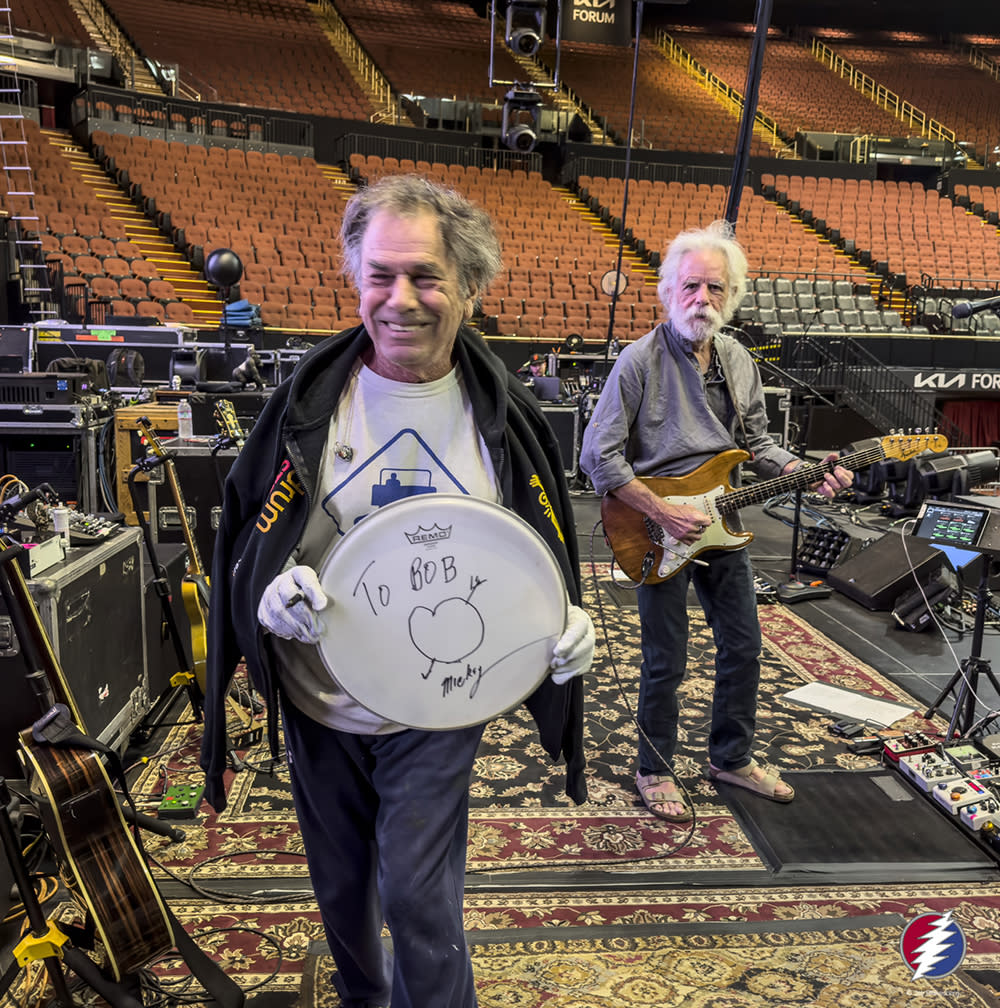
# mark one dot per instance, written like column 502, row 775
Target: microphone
column 963, row 309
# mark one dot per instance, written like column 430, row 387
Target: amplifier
column 565, row 422
column 44, row 387
column 92, row 608
column 56, row 444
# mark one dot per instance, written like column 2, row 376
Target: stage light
column 942, row 477
column 525, row 26
column 522, row 110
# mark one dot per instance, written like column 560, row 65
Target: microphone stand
column 795, row 590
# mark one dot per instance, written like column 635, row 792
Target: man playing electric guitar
column 675, row 400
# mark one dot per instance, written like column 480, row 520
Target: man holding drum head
column 415, row 393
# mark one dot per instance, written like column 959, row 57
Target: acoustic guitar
column 647, row 553
column 82, row 814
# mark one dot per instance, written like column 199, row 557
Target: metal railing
column 864, row 383
column 881, row 95
column 725, row 93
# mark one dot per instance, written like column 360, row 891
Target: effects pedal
column 929, row 769
column 908, row 744
column 953, row 795
column 966, row 756
column 989, row 833
column 977, row 815
column 988, row 773
column 798, row 591
column 180, row 801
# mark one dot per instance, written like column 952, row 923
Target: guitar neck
column 194, row 557
column 798, row 479
column 35, row 643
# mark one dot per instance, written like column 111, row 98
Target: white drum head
column 443, row 613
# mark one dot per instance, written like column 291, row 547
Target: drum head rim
column 385, row 516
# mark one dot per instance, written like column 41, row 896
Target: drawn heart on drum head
column 449, row 632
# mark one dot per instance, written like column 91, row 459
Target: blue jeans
column 726, row 592
column 384, row 820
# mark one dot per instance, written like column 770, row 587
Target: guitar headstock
column 907, row 446
column 227, row 421
column 149, row 436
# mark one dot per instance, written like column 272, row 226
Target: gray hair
column 717, row 237
column 468, row 234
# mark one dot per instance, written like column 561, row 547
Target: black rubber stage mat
column 859, row 826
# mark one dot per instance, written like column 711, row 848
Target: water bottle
column 185, row 425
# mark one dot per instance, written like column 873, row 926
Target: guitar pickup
column 170, row 517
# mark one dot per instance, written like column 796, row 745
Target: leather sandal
column 659, row 789
column 765, row 786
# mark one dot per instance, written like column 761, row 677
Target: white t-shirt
column 402, row 439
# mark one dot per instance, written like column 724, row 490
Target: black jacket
column 270, row 491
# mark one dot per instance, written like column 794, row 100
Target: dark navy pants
column 384, row 819
column 726, row 591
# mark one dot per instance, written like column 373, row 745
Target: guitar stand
column 185, row 678
column 971, row 668
column 45, row 941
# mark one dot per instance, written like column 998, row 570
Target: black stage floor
column 922, row 662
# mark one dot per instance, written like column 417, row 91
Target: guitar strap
column 745, row 445
column 56, row 728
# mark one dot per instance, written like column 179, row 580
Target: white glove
column 298, row 620
column 574, row 651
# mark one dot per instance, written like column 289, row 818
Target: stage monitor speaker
column 882, row 572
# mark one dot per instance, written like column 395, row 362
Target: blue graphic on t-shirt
column 395, row 482
column 392, row 488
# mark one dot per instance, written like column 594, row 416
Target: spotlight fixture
column 942, row 477
column 522, row 110
column 525, row 26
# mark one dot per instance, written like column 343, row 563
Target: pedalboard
column 180, row 801
column 909, row 744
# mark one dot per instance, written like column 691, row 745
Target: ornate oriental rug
column 830, row 946
column 520, row 817
column 825, row 963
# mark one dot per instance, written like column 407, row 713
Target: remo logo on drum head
column 444, row 610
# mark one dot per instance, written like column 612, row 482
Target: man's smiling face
column 412, row 301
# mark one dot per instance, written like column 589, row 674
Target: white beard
column 698, row 331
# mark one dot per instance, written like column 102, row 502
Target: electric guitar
column 647, row 553
column 194, row 585
column 81, row 812
column 228, row 422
